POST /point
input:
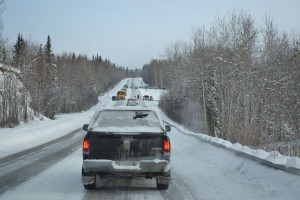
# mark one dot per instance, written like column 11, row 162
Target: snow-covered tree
column 242, row 78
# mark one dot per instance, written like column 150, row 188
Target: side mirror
column 168, row 128
column 85, row 127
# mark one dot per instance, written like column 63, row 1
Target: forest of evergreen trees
column 35, row 82
column 236, row 81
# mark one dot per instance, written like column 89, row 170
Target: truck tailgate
column 125, row 147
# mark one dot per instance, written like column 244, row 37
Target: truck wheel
column 162, row 186
column 88, row 186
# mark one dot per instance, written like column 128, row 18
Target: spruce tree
column 4, row 56
column 19, row 52
column 51, row 81
column 48, row 52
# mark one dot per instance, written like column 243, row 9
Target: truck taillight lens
column 85, row 146
column 167, row 146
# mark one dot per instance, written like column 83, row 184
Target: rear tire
column 91, row 186
column 161, row 186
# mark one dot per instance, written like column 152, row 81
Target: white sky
column 130, row 32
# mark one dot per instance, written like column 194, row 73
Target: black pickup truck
column 126, row 142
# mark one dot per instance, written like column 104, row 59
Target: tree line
column 37, row 83
column 235, row 80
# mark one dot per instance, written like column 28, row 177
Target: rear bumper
column 155, row 167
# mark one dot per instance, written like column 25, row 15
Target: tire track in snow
column 20, row 167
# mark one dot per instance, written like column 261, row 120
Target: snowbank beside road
column 273, row 159
column 26, row 136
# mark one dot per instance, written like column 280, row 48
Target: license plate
column 125, row 163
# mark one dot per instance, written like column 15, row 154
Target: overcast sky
column 130, row 32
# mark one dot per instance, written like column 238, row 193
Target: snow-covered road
column 207, row 172
column 199, row 171
column 18, row 168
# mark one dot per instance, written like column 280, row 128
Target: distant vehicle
column 121, row 95
column 136, row 87
column 128, row 143
column 132, row 102
column 125, row 86
column 114, row 98
column 146, row 98
column 151, row 98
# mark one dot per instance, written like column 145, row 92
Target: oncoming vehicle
column 121, row 95
column 146, row 97
column 126, row 142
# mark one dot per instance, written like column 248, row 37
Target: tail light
column 85, row 146
column 167, row 147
